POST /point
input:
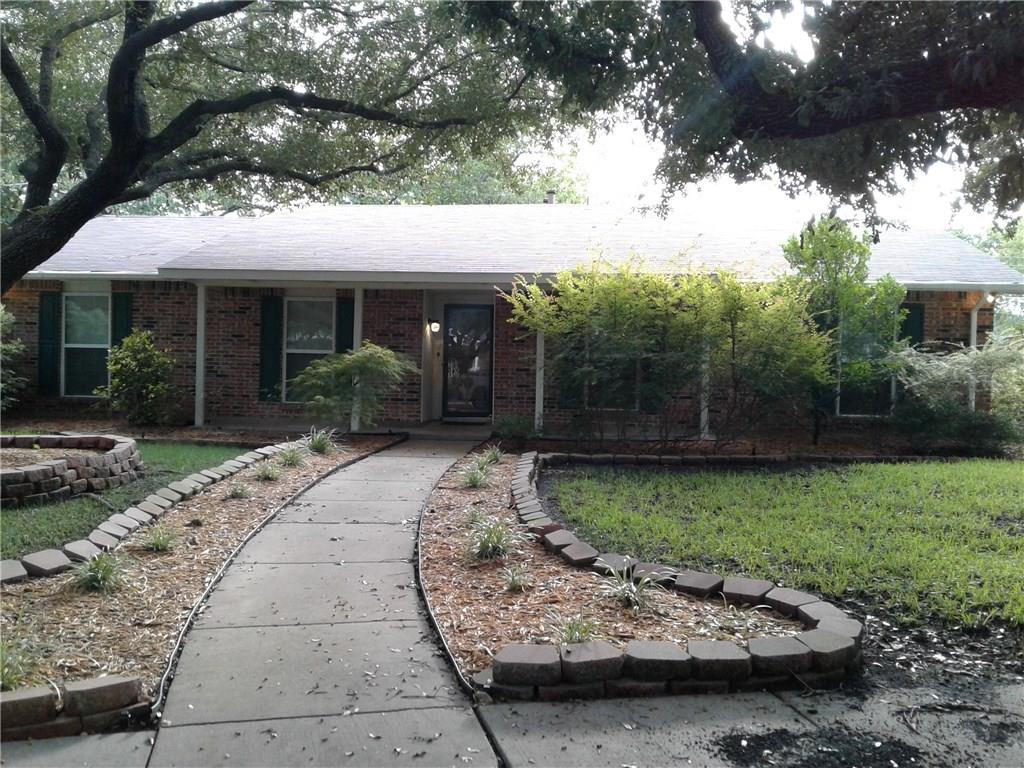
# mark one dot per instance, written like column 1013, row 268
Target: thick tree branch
column 904, row 89
column 41, row 174
column 189, row 122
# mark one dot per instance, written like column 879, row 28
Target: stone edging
column 108, row 535
column 823, row 655
column 60, row 479
column 99, row 704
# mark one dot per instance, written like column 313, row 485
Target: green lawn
column 32, row 528
column 929, row 539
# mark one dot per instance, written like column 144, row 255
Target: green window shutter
column 913, row 323
column 49, row 344
column 121, row 317
column 271, row 347
column 343, row 325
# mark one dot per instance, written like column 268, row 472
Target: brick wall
column 394, row 319
column 515, row 351
column 947, row 315
column 22, row 301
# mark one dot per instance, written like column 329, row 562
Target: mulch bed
column 478, row 616
column 21, row 457
column 132, row 630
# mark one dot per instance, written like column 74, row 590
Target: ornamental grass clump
column 573, row 629
column 291, row 457
column 104, row 573
column 491, row 455
column 320, row 441
column 239, row 492
column 494, row 538
column 267, row 472
column 159, row 538
column 516, row 578
column 476, row 477
column 17, row 665
column 637, row 595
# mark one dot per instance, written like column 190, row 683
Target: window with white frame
column 86, row 342
column 308, row 334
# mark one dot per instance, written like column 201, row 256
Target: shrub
column 291, row 457
column 239, row 492
column 476, row 477
column 104, row 573
column 17, row 665
column 494, row 538
column 159, row 538
column 575, row 629
column 516, row 578
column 635, row 595
column 514, row 427
column 339, row 386
column 11, row 351
column 140, row 386
column 267, row 472
column 320, row 440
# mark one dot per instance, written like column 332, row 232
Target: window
column 308, row 336
column 86, row 342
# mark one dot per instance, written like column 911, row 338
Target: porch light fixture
column 435, row 327
column 990, row 298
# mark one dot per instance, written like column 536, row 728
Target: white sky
column 619, row 169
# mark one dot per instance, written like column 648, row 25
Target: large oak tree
column 892, row 87
column 106, row 103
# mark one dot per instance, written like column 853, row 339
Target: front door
column 468, row 347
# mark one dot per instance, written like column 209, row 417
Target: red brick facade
column 394, row 319
column 391, row 318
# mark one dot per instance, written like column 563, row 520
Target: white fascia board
column 52, row 275
column 968, row 287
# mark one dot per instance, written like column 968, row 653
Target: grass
column 929, row 539
column 104, row 573
column 25, row 530
column 17, row 665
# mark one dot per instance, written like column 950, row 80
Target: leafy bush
column 516, row 578
column 319, row 440
column 291, row 457
column 476, row 477
column 159, row 538
column 267, row 472
column 239, row 492
column 17, row 665
column 339, row 386
column 635, row 595
column 514, row 427
column 575, row 629
column 494, row 538
column 11, row 351
column 104, row 573
column 949, row 424
column 140, row 386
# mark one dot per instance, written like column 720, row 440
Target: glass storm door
column 468, row 344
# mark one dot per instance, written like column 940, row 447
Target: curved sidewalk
column 314, row 648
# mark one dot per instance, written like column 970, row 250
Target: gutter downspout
column 972, row 389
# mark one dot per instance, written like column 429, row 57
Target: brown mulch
column 478, row 616
column 20, row 457
column 79, row 635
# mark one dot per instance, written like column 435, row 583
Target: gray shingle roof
column 485, row 243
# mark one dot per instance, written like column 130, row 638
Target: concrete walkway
column 314, row 650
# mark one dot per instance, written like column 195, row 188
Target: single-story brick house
column 254, row 300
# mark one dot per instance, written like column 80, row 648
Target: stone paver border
column 108, row 535
column 825, row 654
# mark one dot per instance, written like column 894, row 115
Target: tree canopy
column 106, row 103
column 892, row 88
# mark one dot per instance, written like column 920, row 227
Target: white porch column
column 972, row 387
column 538, row 390
column 200, row 403
column 357, row 340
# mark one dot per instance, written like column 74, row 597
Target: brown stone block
column 718, row 660
column 527, row 664
column 101, row 694
column 25, row 706
column 591, row 662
